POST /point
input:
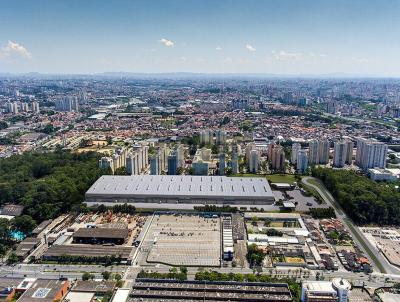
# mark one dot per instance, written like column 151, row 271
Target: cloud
column 166, row 42
column 286, row 56
column 218, row 48
column 250, row 48
column 15, row 49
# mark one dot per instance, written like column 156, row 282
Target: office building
column 254, row 161
column 316, row 291
column 296, row 147
column 371, row 154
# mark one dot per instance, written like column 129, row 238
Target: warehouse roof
column 101, row 233
column 181, row 185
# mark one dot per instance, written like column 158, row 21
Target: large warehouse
column 180, row 189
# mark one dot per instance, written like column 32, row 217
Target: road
column 378, row 260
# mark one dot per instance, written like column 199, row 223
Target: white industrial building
column 180, row 189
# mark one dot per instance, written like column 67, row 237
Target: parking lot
column 189, row 240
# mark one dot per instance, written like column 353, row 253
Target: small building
column 381, row 175
column 26, row 247
column 115, row 236
column 43, row 290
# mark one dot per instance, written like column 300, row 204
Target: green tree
column 24, row 224
column 106, row 275
column 87, row 276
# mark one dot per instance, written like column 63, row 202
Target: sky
column 296, row 37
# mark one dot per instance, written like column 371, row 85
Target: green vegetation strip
column 365, row 246
column 324, row 190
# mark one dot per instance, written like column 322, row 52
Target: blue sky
column 220, row 36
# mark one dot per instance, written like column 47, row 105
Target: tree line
column 365, row 201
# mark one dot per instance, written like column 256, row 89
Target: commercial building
column 381, row 175
column 371, row 154
column 180, row 189
column 45, row 291
column 115, row 236
column 145, row 290
column 98, row 252
column 335, row 291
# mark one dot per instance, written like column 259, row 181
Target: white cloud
column 13, row 48
column 250, row 48
column 286, row 56
column 218, row 48
column 166, row 42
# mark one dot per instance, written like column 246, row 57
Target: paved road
column 357, row 235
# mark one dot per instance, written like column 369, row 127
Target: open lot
column 189, row 240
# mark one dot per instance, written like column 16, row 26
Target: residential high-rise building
column 35, row 107
column 200, row 168
column 371, row 154
column 302, row 161
column 154, row 164
column 12, row 107
column 339, row 154
column 206, row 137
column 323, row 152
column 318, row 152
column 221, row 165
column 349, row 152
column 235, row 164
column 67, row 104
column 220, row 137
column 313, row 152
column 250, row 147
column 254, row 161
column 172, row 163
column 296, row 147
column 180, row 153
column 278, row 159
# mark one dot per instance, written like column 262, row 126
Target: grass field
column 282, row 178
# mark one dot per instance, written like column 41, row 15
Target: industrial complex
column 180, row 189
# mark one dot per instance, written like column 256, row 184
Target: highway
column 374, row 255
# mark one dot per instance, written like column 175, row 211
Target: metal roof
column 181, row 185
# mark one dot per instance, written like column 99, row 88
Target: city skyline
column 224, row 37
